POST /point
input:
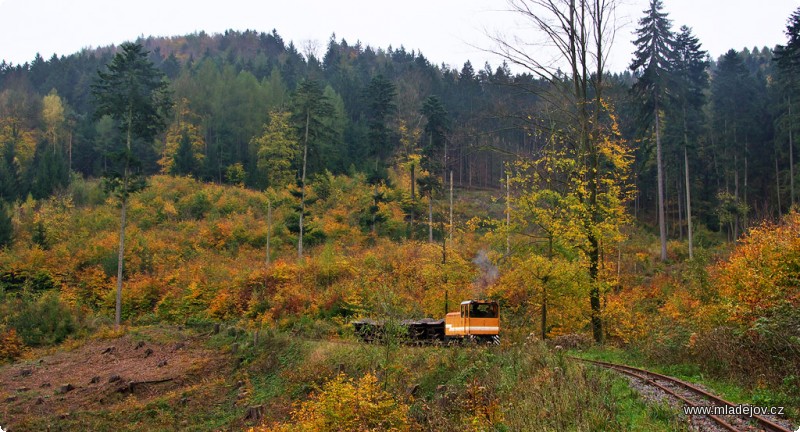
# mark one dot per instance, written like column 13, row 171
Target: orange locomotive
column 476, row 320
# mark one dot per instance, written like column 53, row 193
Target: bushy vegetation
column 196, row 252
column 517, row 386
column 301, row 384
column 734, row 317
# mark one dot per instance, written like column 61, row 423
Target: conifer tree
column 311, row 109
column 133, row 92
column 380, row 95
column 688, row 98
column 788, row 59
column 277, row 151
column 733, row 97
column 652, row 63
column 433, row 147
column 49, row 172
column 185, row 162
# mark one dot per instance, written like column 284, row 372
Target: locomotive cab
column 475, row 319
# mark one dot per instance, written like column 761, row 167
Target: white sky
column 446, row 31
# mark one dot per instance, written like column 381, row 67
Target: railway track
column 693, row 396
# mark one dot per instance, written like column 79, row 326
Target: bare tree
column 569, row 50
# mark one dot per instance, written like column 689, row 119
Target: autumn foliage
column 347, row 404
column 763, row 272
column 197, row 252
column 11, row 346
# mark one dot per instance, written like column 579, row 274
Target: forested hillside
column 235, row 194
column 225, row 87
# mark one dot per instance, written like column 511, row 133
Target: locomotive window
column 483, row 310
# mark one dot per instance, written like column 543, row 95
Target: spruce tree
column 733, row 97
column 135, row 93
column 380, row 97
column 433, row 146
column 49, row 173
column 788, row 56
column 685, row 113
column 311, row 109
column 788, row 59
column 652, row 64
column 184, row 156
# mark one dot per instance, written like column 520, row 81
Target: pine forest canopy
column 386, row 105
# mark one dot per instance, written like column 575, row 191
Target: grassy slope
column 512, row 387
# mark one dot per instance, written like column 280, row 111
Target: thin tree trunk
column 666, row 203
column 460, row 166
column 430, row 218
column 688, row 202
column 375, row 201
column 544, row 310
column 791, row 156
column 269, row 229
column 451, row 206
column 413, row 180
column 413, row 202
column 778, row 186
column 744, row 191
column 736, row 195
column 662, row 227
column 508, row 214
column 444, row 164
column 121, row 253
column 303, row 190
column 544, row 290
column 444, row 244
column 679, row 196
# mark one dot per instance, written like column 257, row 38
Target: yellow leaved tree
column 345, row 404
column 184, row 147
column 568, row 205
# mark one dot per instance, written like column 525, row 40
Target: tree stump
column 255, row 413
column 66, row 388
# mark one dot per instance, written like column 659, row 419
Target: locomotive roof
column 477, row 301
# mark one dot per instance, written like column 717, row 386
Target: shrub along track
column 693, row 396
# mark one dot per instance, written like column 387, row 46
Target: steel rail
column 633, row 371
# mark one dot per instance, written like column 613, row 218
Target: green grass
column 692, row 373
column 637, row 415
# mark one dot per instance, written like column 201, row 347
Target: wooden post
column 451, row 206
column 508, row 214
column 269, row 227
